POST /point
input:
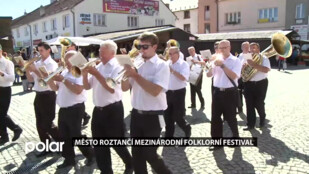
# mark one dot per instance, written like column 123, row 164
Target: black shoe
column 248, row 128
column 213, row 148
column 262, row 126
column 4, row 140
column 66, row 164
column 128, row 170
column 188, row 132
column 89, row 161
column 86, row 120
column 44, row 153
column 192, row 106
column 17, row 133
column 202, row 108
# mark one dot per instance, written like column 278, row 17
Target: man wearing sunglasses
column 148, row 99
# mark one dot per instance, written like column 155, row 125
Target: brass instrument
column 21, row 71
column 43, row 82
column 280, row 45
column 134, row 51
column 77, row 70
column 170, row 43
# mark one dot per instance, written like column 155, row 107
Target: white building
column 86, row 17
column 187, row 14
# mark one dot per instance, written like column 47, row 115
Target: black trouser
column 255, row 93
column 107, row 122
column 223, row 102
column 146, row 125
column 5, row 100
column 240, row 91
column 44, row 107
column 69, row 123
column 197, row 89
column 175, row 111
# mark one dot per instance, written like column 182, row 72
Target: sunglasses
column 144, row 47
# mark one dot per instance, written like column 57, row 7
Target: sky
column 16, row 8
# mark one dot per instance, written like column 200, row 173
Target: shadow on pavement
column 237, row 163
column 21, row 93
column 176, row 159
column 276, row 148
column 198, row 116
column 7, row 147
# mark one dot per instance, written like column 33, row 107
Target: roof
column 181, row 5
column 243, row 35
column 129, row 34
column 53, row 8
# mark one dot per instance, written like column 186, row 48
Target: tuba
column 134, row 51
column 280, row 45
column 170, row 43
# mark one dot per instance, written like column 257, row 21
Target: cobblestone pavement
column 282, row 146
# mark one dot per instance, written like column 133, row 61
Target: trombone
column 112, row 82
column 21, row 71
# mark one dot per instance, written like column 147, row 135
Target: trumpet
column 77, row 70
column 43, row 81
column 21, row 71
column 112, row 82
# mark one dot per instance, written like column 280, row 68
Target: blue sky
column 16, row 8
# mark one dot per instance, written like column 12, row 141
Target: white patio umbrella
column 79, row 41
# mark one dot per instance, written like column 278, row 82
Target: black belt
column 225, row 89
column 176, row 90
column 103, row 107
column 44, row 92
column 158, row 112
column 255, row 82
column 4, row 87
column 74, row 106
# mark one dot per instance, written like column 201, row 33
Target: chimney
column 25, row 12
column 167, row 5
column 42, row 10
column 51, row 1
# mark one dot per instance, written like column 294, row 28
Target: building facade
column 207, row 16
column 87, row 17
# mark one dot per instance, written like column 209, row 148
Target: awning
column 79, row 41
column 258, row 35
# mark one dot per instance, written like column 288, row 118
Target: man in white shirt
column 108, row 113
column 7, row 78
column 225, row 92
column 176, row 93
column 148, row 86
column 196, row 89
column 45, row 98
column 256, row 88
column 245, row 50
column 70, row 98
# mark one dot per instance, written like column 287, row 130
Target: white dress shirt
column 7, row 68
column 261, row 75
column 196, row 57
column 220, row 78
column 101, row 96
column 50, row 66
column 156, row 71
column 241, row 58
column 67, row 98
column 181, row 67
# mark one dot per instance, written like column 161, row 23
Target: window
column 233, row 18
column 35, row 29
column 186, row 27
column 66, row 21
column 268, row 15
column 132, row 21
column 207, row 28
column 99, row 20
column 26, row 31
column 300, row 11
column 17, row 33
column 53, row 24
column 44, row 27
column 186, row 14
column 159, row 22
column 207, row 13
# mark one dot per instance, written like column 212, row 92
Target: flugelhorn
column 43, row 81
column 21, row 71
column 77, row 70
column 112, row 82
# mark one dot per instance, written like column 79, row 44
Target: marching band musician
column 7, row 78
column 148, row 100
column 176, row 93
column 70, row 98
column 86, row 116
column 196, row 59
column 224, row 97
column 255, row 89
column 45, row 98
column 108, row 113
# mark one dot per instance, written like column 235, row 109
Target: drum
column 196, row 72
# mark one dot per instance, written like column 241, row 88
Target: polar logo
column 41, row 146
